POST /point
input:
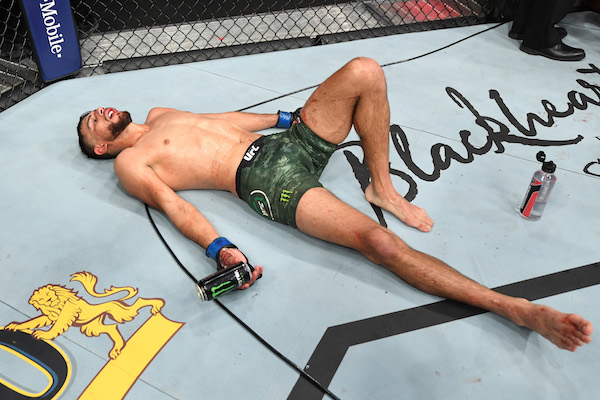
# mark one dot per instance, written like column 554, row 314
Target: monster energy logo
column 222, row 288
column 285, row 195
column 228, row 285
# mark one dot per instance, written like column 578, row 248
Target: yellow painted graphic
column 61, row 308
column 117, row 376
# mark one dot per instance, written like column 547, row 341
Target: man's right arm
column 141, row 181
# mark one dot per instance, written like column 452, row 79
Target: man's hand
column 257, row 273
column 231, row 256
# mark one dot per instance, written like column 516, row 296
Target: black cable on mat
column 238, row 320
column 444, row 47
column 277, row 353
column 382, row 66
column 188, row 273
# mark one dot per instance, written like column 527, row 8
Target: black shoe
column 520, row 36
column 560, row 52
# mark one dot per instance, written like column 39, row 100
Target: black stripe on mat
column 336, row 341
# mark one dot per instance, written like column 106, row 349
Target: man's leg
column 357, row 95
column 521, row 19
column 320, row 214
column 540, row 32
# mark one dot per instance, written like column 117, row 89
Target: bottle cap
column 547, row 166
column 540, row 156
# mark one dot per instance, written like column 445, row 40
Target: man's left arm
column 258, row 122
column 248, row 121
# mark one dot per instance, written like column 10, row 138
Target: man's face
column 104, row 124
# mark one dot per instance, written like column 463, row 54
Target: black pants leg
column 539, row 21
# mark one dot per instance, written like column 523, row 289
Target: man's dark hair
column 86, row 148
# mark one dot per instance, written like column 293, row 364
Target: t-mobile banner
column 54, row 36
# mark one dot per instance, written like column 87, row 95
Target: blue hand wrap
column 213, row 249
column 285, row 119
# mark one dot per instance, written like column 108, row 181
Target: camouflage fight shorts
column 278, row 169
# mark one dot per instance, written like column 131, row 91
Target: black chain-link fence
column 119, row 35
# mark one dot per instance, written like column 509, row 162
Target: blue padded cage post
column 54, row 35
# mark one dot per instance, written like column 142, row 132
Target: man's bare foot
column 406, row 212
column 567, row 331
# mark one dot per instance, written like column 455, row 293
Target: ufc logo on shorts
column 251, row 153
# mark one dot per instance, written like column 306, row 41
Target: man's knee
column 381, row 245
column 365, row 69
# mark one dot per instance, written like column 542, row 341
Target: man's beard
column 118, row 127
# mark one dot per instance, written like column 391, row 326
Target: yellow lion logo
column 62, row 308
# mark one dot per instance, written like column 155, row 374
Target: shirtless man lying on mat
column 277, row 175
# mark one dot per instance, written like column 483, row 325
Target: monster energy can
column 224, row 281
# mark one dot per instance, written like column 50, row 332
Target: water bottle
column 539, row 189
column 224, row 281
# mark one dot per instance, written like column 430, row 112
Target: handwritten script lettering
column 497, row 134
